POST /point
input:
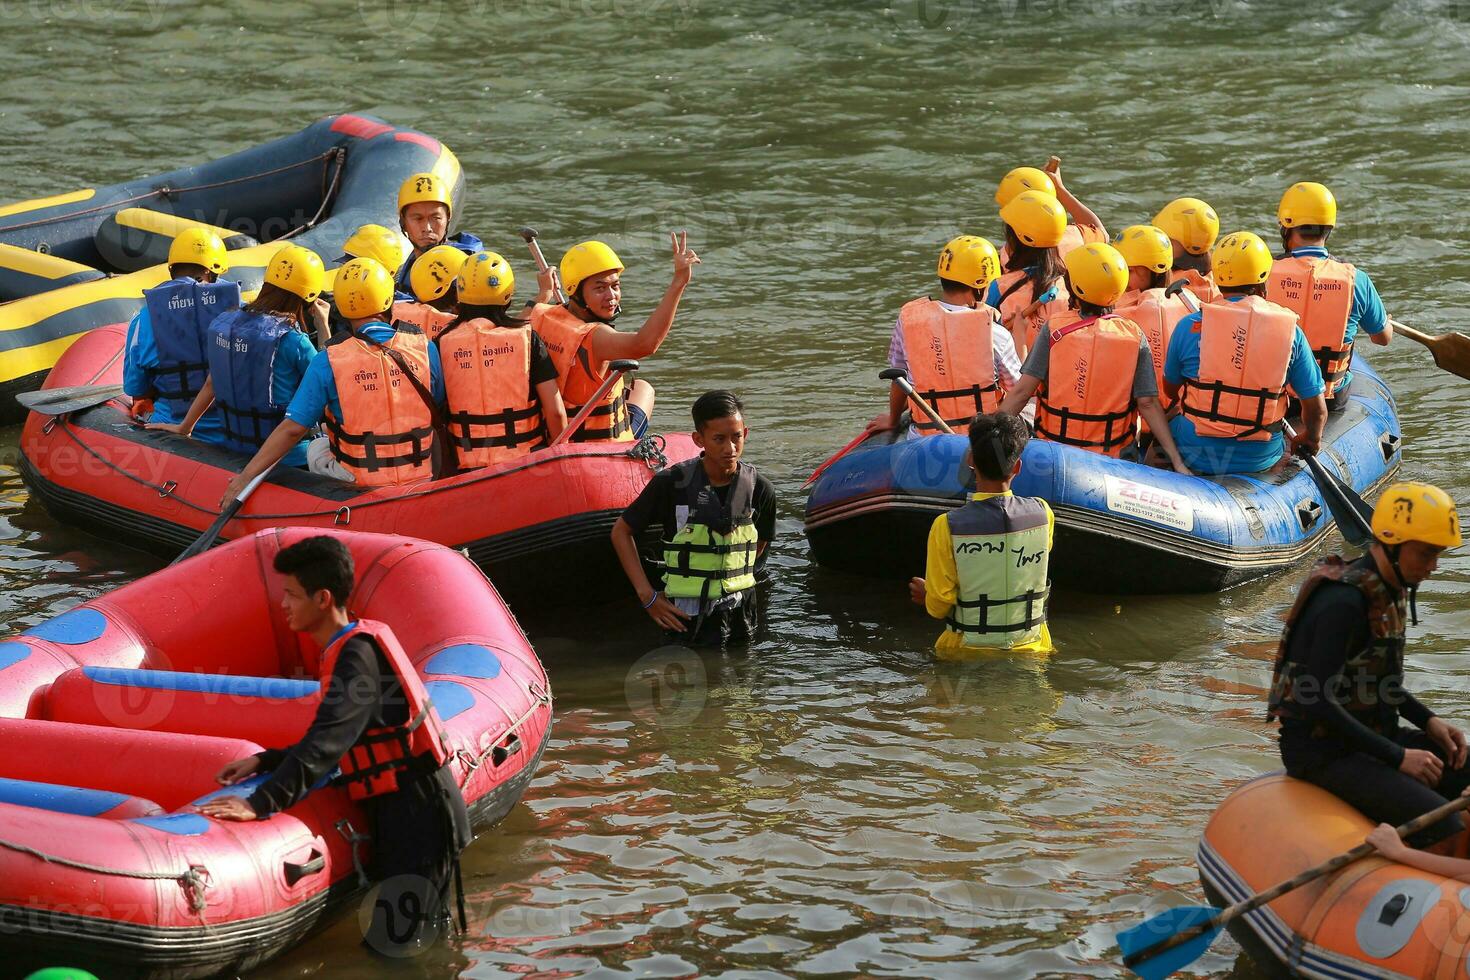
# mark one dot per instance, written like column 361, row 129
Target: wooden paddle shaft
column 592, row 403
column 1306, row 877
column 1408, row 331
column 925, row 407
column 542, row 265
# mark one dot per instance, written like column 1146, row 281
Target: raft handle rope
column 343, row 517
column 337, row 155
column 473, row 762
column 194, row 881
column 350, row 834
column 168, row 488
column 650, row 449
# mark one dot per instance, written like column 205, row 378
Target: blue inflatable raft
column 74, row 261
column 1121, row 527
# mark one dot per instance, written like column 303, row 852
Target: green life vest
column 1000, row 554
column 714, row 552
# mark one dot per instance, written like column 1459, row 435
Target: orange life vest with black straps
column 382, row 756
column 1015, row 295
column 1156, row 315
column 1244, row 355
column 493, row 413
column 386, row 433
column 429, row 321
column 1087, row 397
column 566, row 340
column 951, row 361
column 1201, row 284
column 1320, row 292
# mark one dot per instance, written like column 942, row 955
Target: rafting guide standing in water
column 718, row 516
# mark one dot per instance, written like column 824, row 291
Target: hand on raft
column 228, row 808
column 232, row 490
column 238, row 770
column 177, row 428
column 1450, row 739
column 665, row 613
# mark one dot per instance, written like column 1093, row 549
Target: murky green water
column 832, row 801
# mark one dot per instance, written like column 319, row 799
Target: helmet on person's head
column 584, row 260
column 424, row 187
column 486, row 279
column 969, row 260
column 1190, row 222
column 297, row 270
column 1145, row 246
column 1097, row 273
column 1241, row 258
column 435, row 271
column 198, row 246
column 363, row 288
column 376, row 242
column 1023, row 179
column 1307, row 203
column 1416, row 512
column 1037, row 219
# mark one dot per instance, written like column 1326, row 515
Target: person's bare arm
column 1016, row 399
column 607, row 344
column 201, row 404
column 553, row 410
column 659, row 608
column 1153, row 414
column 1385, row 336
column 276, row 446
column 1080, row 213
column 1314, row 420
column 897, row 401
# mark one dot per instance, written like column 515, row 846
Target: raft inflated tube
column 24, row 272
column 135, row 238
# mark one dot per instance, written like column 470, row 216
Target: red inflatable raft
column 536, row 523
column 116, row 715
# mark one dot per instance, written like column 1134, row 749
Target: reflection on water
column 832, row 800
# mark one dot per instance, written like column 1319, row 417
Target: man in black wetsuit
column 1338, row 685
column 375, row 721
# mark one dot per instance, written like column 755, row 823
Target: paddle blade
column 1452, row 353
column 60, row 401
column 1158, row 929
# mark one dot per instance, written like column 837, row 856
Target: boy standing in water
column 717, row 515
column 986, row 574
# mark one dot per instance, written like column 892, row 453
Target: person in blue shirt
column 258, row 355
column 1341, row 300
column 345, row 387
column 1236, row 388
column 425, row 208
column 163, row 353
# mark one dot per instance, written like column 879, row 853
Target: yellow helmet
column 198, row 246
column 297, row 270
column 363, row 289
column 435, row 271
column 1097, row 273
column 424, row 187
column 1307, row 203
column 1146, row 246
column 1023, row 179
column 486, row 279
column 970, row 260
column 587, row 259
column 1190, row 222
column 1036, row 218
column 376, row 242
column 1241, row 259
column 1416, row 512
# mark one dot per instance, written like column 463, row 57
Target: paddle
column 861, row 437
column 1174, row 939
column 616, row 369
column 529, row 234
column 1451, row 350
column 898, row 377
column 74, row 398
column 205, row 541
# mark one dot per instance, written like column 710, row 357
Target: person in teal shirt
column 1240, row 273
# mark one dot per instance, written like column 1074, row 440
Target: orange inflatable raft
column 1373, row 918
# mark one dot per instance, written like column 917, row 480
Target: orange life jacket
column 1320, row 292
column 1015, row 298
column 386, row 433
column 1156, row 315
column 493, row 413
column 1200, row 283
column 377, row 760
column 566, row 339
column 1087, row 398
column 1244, row 354
column 951, row 361
column 429, row 321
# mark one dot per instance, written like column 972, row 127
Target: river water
column 830, row 801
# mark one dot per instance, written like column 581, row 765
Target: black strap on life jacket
column 460, row 424
column 1219, row 389
column 974, row 392
column 438, row 429
column 248, row 425
column 617, row 410
column 1034, row 616
column 420, row 438
column 180, row 379
column 398, row 735
column 1326, row 356
column 1067, row 416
